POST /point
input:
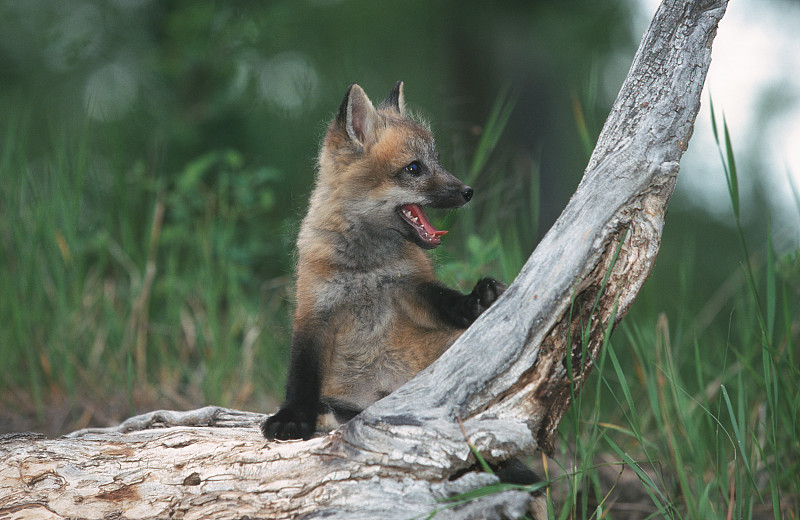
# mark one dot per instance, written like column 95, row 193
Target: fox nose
column 467, row 193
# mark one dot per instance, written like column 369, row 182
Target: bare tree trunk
column 506, row 380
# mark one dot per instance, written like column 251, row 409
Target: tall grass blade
column 737, row 433
column 770, row 290
column 660, row 500
column 713, row 120
column 498, row 118
column 733, row 177
column 606, row 276
column 626, row 391
column 580, row 123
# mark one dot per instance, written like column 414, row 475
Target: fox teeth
column 412, row 218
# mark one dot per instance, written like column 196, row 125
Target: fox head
column 379, row 168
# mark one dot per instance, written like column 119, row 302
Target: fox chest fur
column 378, row 330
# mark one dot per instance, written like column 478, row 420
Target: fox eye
column 413, row 168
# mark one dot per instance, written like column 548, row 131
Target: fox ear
column 357, row 115
column 395, row 100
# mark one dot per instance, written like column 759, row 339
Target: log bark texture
column 506, row 380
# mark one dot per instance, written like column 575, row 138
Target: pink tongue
column 416, row 211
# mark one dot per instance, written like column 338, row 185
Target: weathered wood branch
column 507, row 379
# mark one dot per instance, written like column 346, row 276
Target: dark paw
column 484, row 294
column 289, row 423
column 515, row 471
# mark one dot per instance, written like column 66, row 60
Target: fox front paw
column 289, row 423
column 484, row 294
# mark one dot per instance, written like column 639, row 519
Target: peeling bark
column 398, row 457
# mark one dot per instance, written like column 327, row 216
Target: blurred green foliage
column 157, row 157
column 171, row 81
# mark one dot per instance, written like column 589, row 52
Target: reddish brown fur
column 370, row 312
column 411, row 337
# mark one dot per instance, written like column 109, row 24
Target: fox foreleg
column 297, row 418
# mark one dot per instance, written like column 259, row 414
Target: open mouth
column 428, row 235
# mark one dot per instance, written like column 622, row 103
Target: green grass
column 703, row 410
column 121, row 283
column 144, row 288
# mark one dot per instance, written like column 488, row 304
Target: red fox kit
column 370, row 312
